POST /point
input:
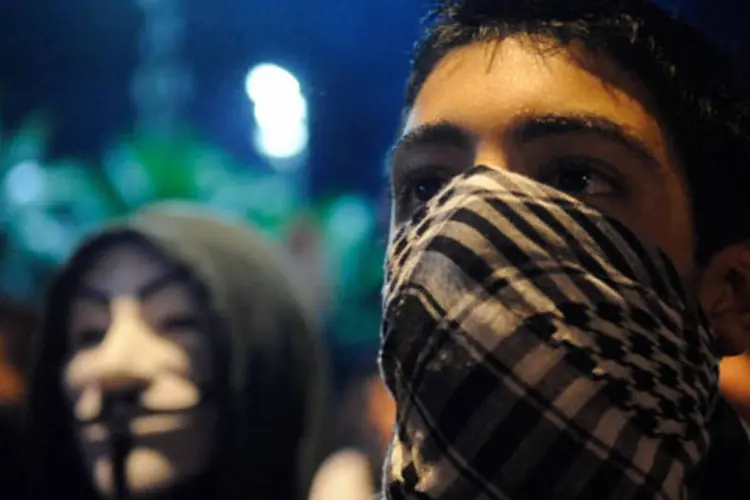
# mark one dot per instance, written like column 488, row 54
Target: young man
column 563, row 278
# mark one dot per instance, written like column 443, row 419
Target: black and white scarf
column 538, row 350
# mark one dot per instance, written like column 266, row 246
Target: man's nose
column 491, row 153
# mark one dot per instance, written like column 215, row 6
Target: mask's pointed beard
column 121, row 446
column 119, row 408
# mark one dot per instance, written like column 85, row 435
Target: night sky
column 74, row 59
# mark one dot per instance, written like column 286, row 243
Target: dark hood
column 273, row 379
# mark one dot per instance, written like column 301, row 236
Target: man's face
column 138, row 366
column 567, row 118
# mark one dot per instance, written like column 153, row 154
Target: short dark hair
column 697, row 88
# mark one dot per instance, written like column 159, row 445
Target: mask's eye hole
column 90, row 338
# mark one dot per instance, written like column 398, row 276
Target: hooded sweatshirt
column 537, row 349
column 271, row 367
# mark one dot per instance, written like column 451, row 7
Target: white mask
column 134, row 328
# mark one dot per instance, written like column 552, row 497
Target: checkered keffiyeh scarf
column 538, row 350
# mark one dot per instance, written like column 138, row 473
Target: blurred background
column 276, row 111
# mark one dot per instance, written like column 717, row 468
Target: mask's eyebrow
column 176, row 276
column 540, row 126
column 430, row 134
column 170, row 278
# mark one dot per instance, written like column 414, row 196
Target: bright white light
column 269, row 82
column 285, row 142
column 280, row 111
column 25, row 183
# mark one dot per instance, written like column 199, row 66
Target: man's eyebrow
column 540, row 126
column 439, row 133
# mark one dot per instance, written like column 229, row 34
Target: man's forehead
column 484, row 88
column 521, row 61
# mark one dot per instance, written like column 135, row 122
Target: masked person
column 558, row 289
column 175, row 362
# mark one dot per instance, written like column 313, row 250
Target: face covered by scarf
column 538, row 350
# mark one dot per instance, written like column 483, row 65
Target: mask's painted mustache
column 120, row 409
column 137, row 415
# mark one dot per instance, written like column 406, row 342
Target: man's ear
column 724, row 294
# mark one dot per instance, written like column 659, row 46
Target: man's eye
column 423, row 190
column 579, row 177
column 413, row 191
